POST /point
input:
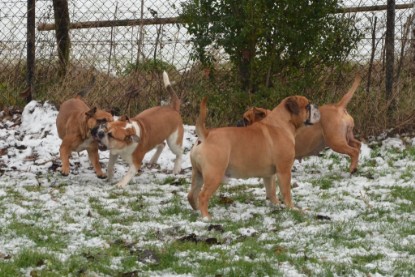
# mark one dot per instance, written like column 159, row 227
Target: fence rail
column 111, row 36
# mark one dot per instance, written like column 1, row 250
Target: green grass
column 145, row 231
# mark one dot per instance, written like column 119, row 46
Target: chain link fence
column 104, row 56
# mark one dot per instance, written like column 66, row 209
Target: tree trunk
column 60, row 8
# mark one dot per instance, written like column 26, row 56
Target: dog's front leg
column 127, row 178
column 94, row 158
column 111, row 163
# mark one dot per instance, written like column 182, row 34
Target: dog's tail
column 201, row 130
column 174, row 100
column 348, row 96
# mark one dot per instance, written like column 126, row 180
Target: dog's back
column 67, row 110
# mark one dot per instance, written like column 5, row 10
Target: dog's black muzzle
column 310, row 109
column 98, row 133
column 242, row 123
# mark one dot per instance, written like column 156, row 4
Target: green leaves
column 282, row 35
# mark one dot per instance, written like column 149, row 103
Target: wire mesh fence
column 103, row 55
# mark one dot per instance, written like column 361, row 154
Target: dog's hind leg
column 211, row 184
column 175, row 144
column 64, row 156
column 196, row 186
column 352, row 141
column 68, row 144
column 344, row 148
column 159, row 149
column 271, row 189
column 284, row 181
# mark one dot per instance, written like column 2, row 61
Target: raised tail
column 201, row 130
column 174, row 100
column 348, row 96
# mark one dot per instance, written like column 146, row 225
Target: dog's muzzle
column 98, row 133
column 313, row 114
column 242, row 123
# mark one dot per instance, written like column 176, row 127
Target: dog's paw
column 120, row 185
column 102, row 176
column 64, row 173
column 206, row 218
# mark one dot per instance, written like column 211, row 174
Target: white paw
column 120, row 185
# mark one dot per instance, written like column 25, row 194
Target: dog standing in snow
column 334, row 130
column 132, row 138
column 75, row 122
column 263, row 149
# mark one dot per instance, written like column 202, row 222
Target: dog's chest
column 84, row 145
column 125, row 153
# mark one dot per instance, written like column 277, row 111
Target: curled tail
column 174, row 100
column 201, row 130
column 348, row 96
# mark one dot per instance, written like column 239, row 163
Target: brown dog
column 74, row 122
column 262, row 149
column 133, row 138
column 334, row 130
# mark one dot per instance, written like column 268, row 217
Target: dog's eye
column 110, row 135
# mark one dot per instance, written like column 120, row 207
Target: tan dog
column 75, row 122
column 133, row 138
column 262, row 149
column 334, row 130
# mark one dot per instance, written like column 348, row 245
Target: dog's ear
column 91, row 112
column 124, row 118
column 114, row 111
column 131, row 136
column 292, row 106
column 133, row 139
column 259, row 113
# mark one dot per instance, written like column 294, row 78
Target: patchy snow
column 31, row 184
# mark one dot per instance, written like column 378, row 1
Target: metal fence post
column 390, row 48
column 31, row 29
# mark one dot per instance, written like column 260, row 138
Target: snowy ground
column 370, row 214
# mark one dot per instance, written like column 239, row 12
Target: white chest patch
column 126, row 153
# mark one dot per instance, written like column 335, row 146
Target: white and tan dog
column 262, row 149
column 334, row 130
column 133, row 138
column 75, row 122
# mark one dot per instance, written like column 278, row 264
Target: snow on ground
column 30, row 154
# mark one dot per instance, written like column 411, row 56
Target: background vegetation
column 252, row 53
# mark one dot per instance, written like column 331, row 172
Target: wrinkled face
column 119, row 134
column 302, row 112
column 97, row 119
column 252, row 115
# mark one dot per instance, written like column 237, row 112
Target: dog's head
column 119, row 134
column 301, row 110
column 97, row 119
column 252, row 115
